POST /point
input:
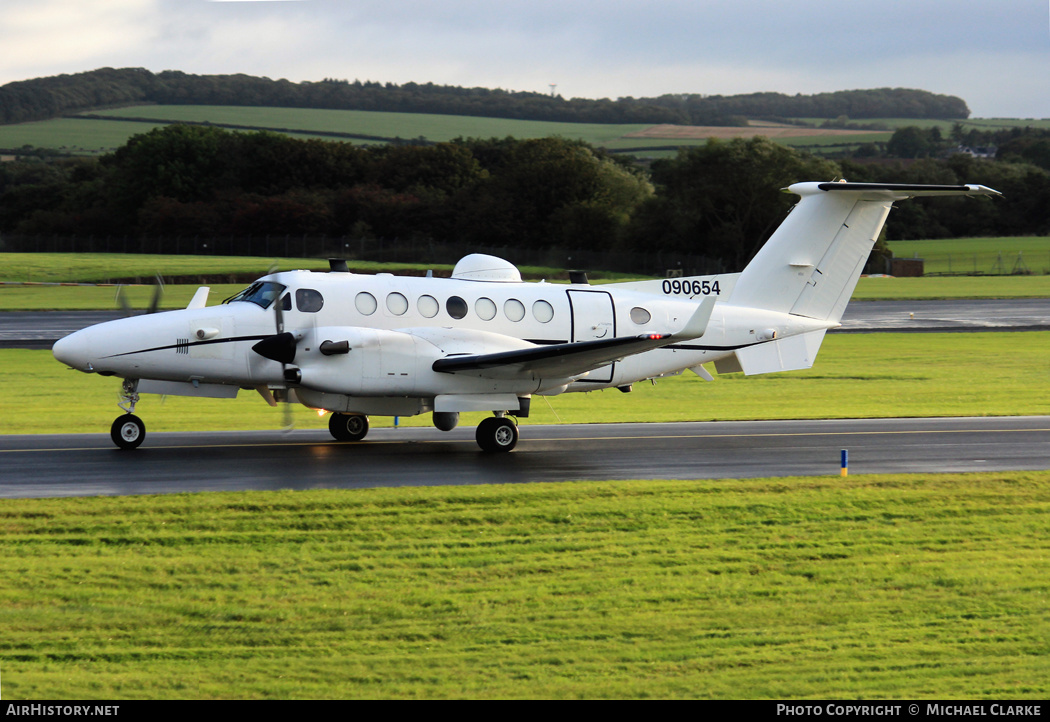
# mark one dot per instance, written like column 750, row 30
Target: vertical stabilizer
column 810, row 265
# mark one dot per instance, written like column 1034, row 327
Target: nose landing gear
column 128, row 431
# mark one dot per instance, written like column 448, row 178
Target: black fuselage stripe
column 209, row 342
column 543, row 342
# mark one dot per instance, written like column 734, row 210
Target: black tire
column 497, row 434
column 348, row 427
column 128, row 431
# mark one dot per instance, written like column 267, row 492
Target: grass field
column 90, row 136
column 871, row 587
column 103, row 267
column 979, row 255
column 104, row 135
column 856, row 375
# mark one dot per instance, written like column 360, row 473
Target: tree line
column 721, row 200
column 1018, row 145
column 50, row 97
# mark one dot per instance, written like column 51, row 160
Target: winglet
column 697, row 325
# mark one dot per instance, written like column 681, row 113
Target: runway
column 89, row 464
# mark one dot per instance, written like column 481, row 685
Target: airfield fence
column 654, row 263
column 975, row 264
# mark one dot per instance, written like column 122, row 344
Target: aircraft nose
column 72, row 350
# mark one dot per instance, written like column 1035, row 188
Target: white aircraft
column 483, row 340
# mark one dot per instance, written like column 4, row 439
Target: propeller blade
column 122, row 300
column 279, row 314
column 288, row 422
column 158, row 292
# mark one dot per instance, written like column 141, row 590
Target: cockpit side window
column 308, row 300
column 261, row 293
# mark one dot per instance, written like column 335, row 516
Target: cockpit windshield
column 261, row 293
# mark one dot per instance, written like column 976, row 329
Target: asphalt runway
column 1022, row 314
column 40, row 329
column 89, row 464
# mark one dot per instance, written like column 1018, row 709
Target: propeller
column 281, row 348
column 154, row 304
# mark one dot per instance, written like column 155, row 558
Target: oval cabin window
column 366, row 303
column 640, row 316
column 456, row 307
column 428, row 306
column 514, row 309
column 396, row 304
column 543, row 311
column 485, row 309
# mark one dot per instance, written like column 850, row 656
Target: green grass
column 101, row 135
column 946, row 125
column 873, row 587
column 948, row 287
column 856, row 375
column 79, row 137
column 404, row 125
column 103, row 267
column 979, row 255
column 92, row 136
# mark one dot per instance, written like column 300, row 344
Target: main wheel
column 496, row 434
column 348, row 427
column 128, row 431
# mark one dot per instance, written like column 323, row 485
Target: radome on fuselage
column 484, row 340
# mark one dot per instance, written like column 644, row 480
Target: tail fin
column 810, row 265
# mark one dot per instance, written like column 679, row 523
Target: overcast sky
column 995, row 54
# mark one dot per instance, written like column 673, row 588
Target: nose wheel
column 128, row 431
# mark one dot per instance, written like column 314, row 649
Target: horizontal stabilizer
column 784, row 354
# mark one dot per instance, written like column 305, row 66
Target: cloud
column 60, row 36
column 994, row 55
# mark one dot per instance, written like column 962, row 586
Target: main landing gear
column 497, row 433
column 128, row 431
column 348, row 427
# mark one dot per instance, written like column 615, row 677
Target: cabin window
column 640, row 316
column 456, row 307
column 543, row 311
column 396, row 304
column 308, row 300
column 428, row 306
column 514, row 309
column 366, row 303
column 485, row 308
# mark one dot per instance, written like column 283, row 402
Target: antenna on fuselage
column 338, row 265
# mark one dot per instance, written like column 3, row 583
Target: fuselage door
column 593, row 318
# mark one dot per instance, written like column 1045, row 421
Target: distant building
column 977, row 151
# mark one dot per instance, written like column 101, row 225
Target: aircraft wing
column 566, row 360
